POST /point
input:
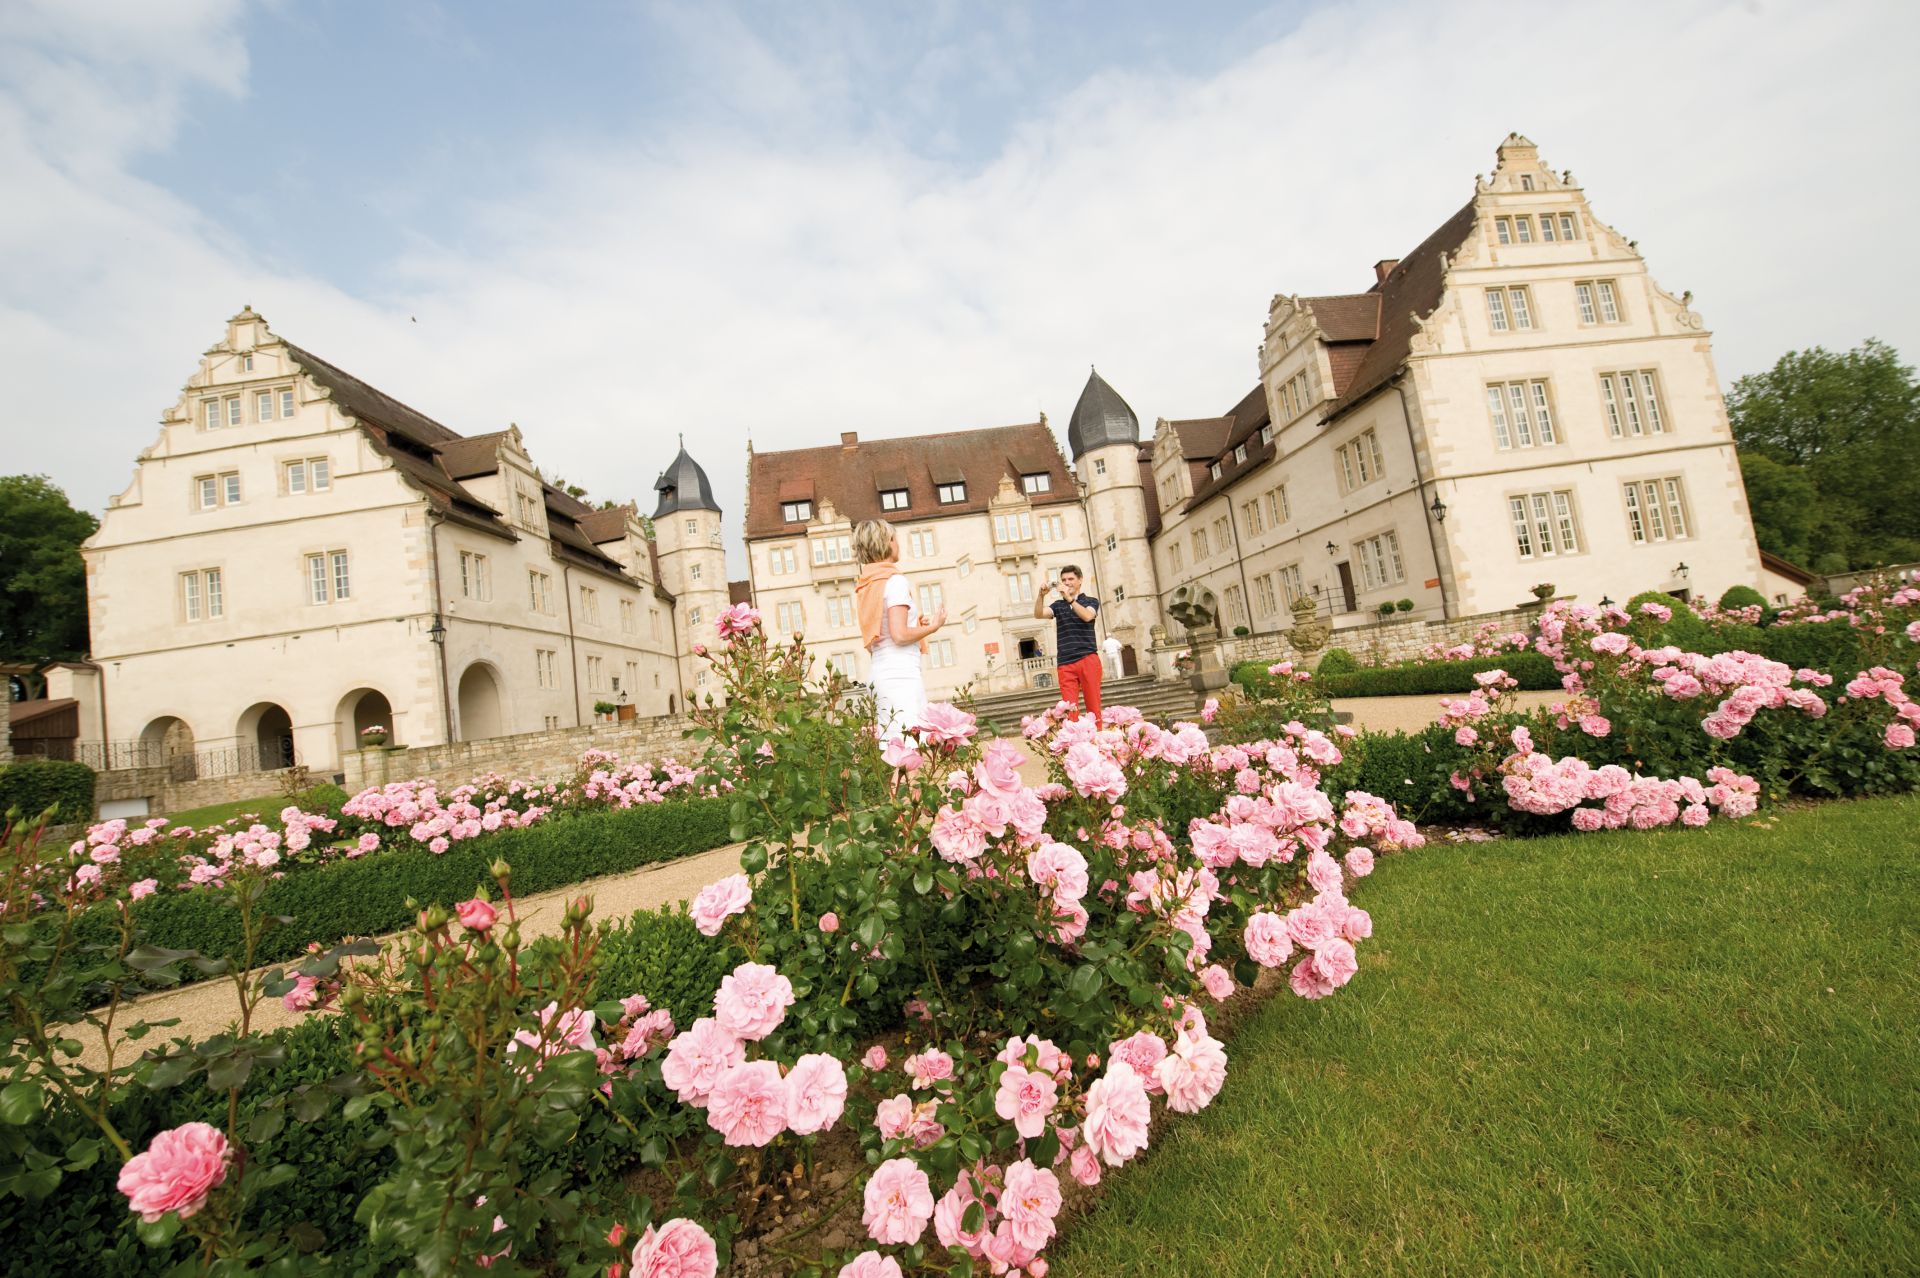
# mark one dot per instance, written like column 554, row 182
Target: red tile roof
column 740, row 592
column 1245, row 421
column 851, row 475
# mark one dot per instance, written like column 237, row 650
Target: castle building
column 300, row 557
column 1514, row 403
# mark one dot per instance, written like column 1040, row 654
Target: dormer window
column 951, row 494
column 1239, row 454
column 1266, row 433
column 796, row 512
column 216, row 413
column 894, row 499
column 1039, row 483
column 1526, row 181
column 246, row 363
column 1213, row 471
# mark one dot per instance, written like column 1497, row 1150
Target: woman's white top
column 893, row 660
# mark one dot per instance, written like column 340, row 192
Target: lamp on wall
column 1605, row 602
column 1439, row 509
column 1681, row 571
column 437, row 632
column 1331, row 548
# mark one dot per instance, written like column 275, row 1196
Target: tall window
column 308, row 475
column 1039, row 482
column 629, row 620
column 1656, row 509
column 589, row 605
column 796, row 512
column 694, row 572
column 1509, row 308
column 921, row 543
column 1380, row 563
column 893, row 499
column 1019, row 587
column 201, row 597
column 1360, row 461
column 1175, row 555
column 1279, row 509
column 1543, row 524
column 949, row 494
column 781, row 561
column 529, row 513
column 693, row 616
column 1251, row 509
column 540, row 591
column 1052, row 527
column 596, row 674
column 840, row 610
column 475, row 578
column 1265, row 602
column 546, row 667
column 1293, row 401
column 791, row 616
column 653, row 622
column 1236, row 605
column 1632, row 403
column 940, row 654
column 1200, row 549
column 1598, row 300
column 1099, row 465
column 833, row 550
column 1017, row 526
column 1290, row 587
column 1522, row 414
column 1222, row 535
column 931, row 598
column 328, row 580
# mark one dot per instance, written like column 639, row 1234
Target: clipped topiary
column 1742, row 597
column 1337, row 661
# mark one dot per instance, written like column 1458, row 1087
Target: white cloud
column 718, row 283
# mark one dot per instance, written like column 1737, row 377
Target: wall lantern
column 1439, row 509
column 437, row 632
column 1331, row 548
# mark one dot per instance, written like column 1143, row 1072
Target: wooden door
column 1346, row 586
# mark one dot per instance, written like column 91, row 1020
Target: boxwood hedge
column 1413, row 678
column 34, row 785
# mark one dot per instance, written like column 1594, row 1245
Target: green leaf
column 974, row 1218
column 158, row 1233
column 356, row 1107
column 923, row 881
column 753, row 859
column 266, row 1124
column 19, row 1103
column 1084, row 985
column 148, row 958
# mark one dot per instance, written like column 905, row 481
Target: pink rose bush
column 176, row 1172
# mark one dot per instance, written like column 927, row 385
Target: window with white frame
column 939, row 654
column 949, row 494
column 1293, row 400
column 1380, row 563
column 1113, row 542
column 964, row 565
column 1514, row 230
column 1236, row 605
column 220, row 413
column 201, row 595
column 1215, row 471
column 596, row 675
column 1598, row 301
column 1290, row 584
column 894, row 499
column 693, row 526
column 1222, row 535
column 841, row 661
column 219, row 490
column 590, row 605
column 1522, row 414
column 931, row 598
column 246, row 363
column 833, row 550
column 1251, row 510
column 1239, row 454
column 1019, row 587
column 546, row 667
column 781, row 561
column 1568, row 225
column 475, row 577
column 1632, row 403
column 796, row 512
column 1509, row 308
column 1175, row 555
column 1279, row 509
column 1266, row 433
column 1657, row 509
column 529, row 511
column 840, row 610
column 791, row 616
column 1360, row 461
column 271, row 404
column 1017, row 526
column 629, row 618
column 653, row 622
column 1052, row 527
column 693, row 616
column 1099, row 465
column 1543, row 524
column 328, row 579
column 1038, row 482
column 1265, row 602
column 970, row 621
column 922, row 544
column 306, row 475
column 694, row 572
column 540, row 591
column 1200, row 548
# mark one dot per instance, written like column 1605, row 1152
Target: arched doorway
column 479, row 704
column 167, row 737
column 266, row 737
column 361, row 709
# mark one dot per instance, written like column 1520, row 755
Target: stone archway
column 167, row 737
column 479, row 703
column 359, row 710
column 265, row 731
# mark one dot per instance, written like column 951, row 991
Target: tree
column 1851, row 423
column 1782, row 500
column 43, row 582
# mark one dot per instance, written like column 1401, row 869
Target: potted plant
column 372, row 738
column 1543, row 591
column 1386, row 610
column 1405, row 605
column 604, row 709
column 1241, row 632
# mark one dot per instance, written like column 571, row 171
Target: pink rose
column 697, row 1057
column 176, row 1171
column 719, row 902
column 678, row 1249
column 1266, row 938
column 1025, row 1098
column 748, row 1104
column 1085, row 1165
column 894, row 1116
column 1059, row 868
column 1360, row 863
column 475, row 915
column 875, row 1057
column 829, row 922
column 1899, row 736
column 871, row 1264
column 899, row 1202
column 816, row 1094
column 143, row 889
column 1193, row 1073
column 752, row 1001
column 950, row 1213
column 999, row 769
column 1118, row 1111
column 944, row 724
column 957, row 836
column 899, row 753
column 1323, row 872
column 1029, row 1202
column 1218, row 982
column 929, row 1067
column 1143, row 1051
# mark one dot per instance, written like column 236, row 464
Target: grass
column 1677, row 1053
column 266, row 806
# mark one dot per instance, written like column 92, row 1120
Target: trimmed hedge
column 1832, row 646
column 369, row 896
column 1336, row 661
column 1742, row 597
column 85, row 1227
column 1414, row 678
column 34, row 785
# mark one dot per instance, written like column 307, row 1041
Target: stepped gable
column 1100, row 417
column 1243, row 429
column 852, row 473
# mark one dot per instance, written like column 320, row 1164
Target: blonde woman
column 883, row 602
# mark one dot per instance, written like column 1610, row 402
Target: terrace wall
column 543, row 755
column 1372, row 644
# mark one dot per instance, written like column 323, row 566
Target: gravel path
column 209, row 1007
column 1410, row 714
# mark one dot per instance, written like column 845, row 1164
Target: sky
column 619, row 223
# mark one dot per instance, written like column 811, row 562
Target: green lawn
column 265, row 806
column 1679, row 1053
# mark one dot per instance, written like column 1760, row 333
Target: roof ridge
column 904, row 439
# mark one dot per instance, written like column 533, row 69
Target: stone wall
column 164, row 794
column 1372, row 644
column 543, row 755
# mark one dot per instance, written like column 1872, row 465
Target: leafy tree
column 43, row 583
column 1851, row 422
column 1782, row 500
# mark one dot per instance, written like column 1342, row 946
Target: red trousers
column 1082, row 677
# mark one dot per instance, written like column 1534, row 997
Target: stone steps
column 1156, row 700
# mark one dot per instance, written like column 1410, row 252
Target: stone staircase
column 1156, row 700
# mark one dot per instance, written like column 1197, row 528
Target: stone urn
column 1307, row 635
column 373, row 740
column 1203, row 647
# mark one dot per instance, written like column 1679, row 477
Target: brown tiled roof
column 1348, row 317
column 1246, row 419
column 603, row 526
column 1346, row 358
column 472, row 456
column 740, row 592
column 1412, row 288
column 1786, row 568
column 1200, row 438
column 850, row 474
column 50, row 717
column 660, row 590
column 368, row 404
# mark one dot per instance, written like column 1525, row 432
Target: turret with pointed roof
column 683, row 486
column 1100, row 418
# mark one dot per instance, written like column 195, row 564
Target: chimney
column 1383, row 268
column 848, row 438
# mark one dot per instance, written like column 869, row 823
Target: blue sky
column 614, row 223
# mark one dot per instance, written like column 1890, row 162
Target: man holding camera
column 1074, row 646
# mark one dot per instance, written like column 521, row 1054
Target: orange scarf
column 870, row 603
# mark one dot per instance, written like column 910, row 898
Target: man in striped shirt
column 1074, row 647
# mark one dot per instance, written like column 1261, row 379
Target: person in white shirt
column 883, row 603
